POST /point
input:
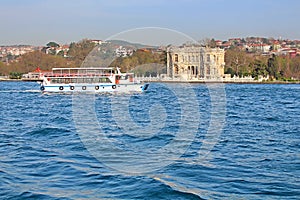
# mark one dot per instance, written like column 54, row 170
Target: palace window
column 193, row 70
column 176, row 57
column 208, row 58
column 208, row 70
column 176, row 69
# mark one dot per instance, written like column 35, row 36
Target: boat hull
column 94, row 88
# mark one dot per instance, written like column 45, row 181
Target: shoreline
column 11, row 80
column 225, row 82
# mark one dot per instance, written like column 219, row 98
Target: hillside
column 145, row 60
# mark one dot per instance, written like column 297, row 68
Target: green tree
column 259, row 68
column 52, row 44
column 15, row 75
column 230, row 71
column 61, row 53
column 272, row 66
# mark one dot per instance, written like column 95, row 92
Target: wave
column 20, row 91
column 180, row 187
column 47, row 131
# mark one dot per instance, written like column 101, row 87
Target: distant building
column 219, row 43
column 98, row 42
column 123, row 52
column 234, row 40
column 291, row 52
column 264, row 48
column 195, row 62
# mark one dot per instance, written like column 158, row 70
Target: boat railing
column 63, row 75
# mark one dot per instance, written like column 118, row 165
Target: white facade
column 195, row 63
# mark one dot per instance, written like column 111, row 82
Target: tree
column 61, row 53
column 142, row 61
column 238, row 60
column 294, row 70
column 15, row 75
column 30, row 61
column 204, row 42
column 260, row 68
column 230, row 71
column 272, row 66
column 265, row 41
column 212, row 43
column 52, row 44
column 3, row 69
column 78, row 51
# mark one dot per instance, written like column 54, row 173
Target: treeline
column 240, row 63
column 75, row 57
column 30, row 61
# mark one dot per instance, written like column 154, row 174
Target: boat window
column 100, row 79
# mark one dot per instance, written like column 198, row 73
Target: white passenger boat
column 90, row 80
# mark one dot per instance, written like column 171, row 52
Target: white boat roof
column 86, row 68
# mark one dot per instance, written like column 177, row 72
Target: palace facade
column 195, row 63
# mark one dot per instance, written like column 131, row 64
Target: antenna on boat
column 118, row 70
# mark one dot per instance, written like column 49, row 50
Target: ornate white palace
column 194, row 63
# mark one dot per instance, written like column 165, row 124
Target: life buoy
column 61, row 87
column 114, row 87
column 96, row 87
column 72, row 87
column 42, row 88
column 83, row 87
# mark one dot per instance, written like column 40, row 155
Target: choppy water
column 45, row 154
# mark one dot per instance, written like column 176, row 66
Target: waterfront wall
column 248, row 79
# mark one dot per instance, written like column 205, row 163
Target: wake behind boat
column 90, row 80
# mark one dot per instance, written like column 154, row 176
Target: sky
column 37, row 22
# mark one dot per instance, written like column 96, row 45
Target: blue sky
column 40, row 21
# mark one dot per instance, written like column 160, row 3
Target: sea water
column 176, row 141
